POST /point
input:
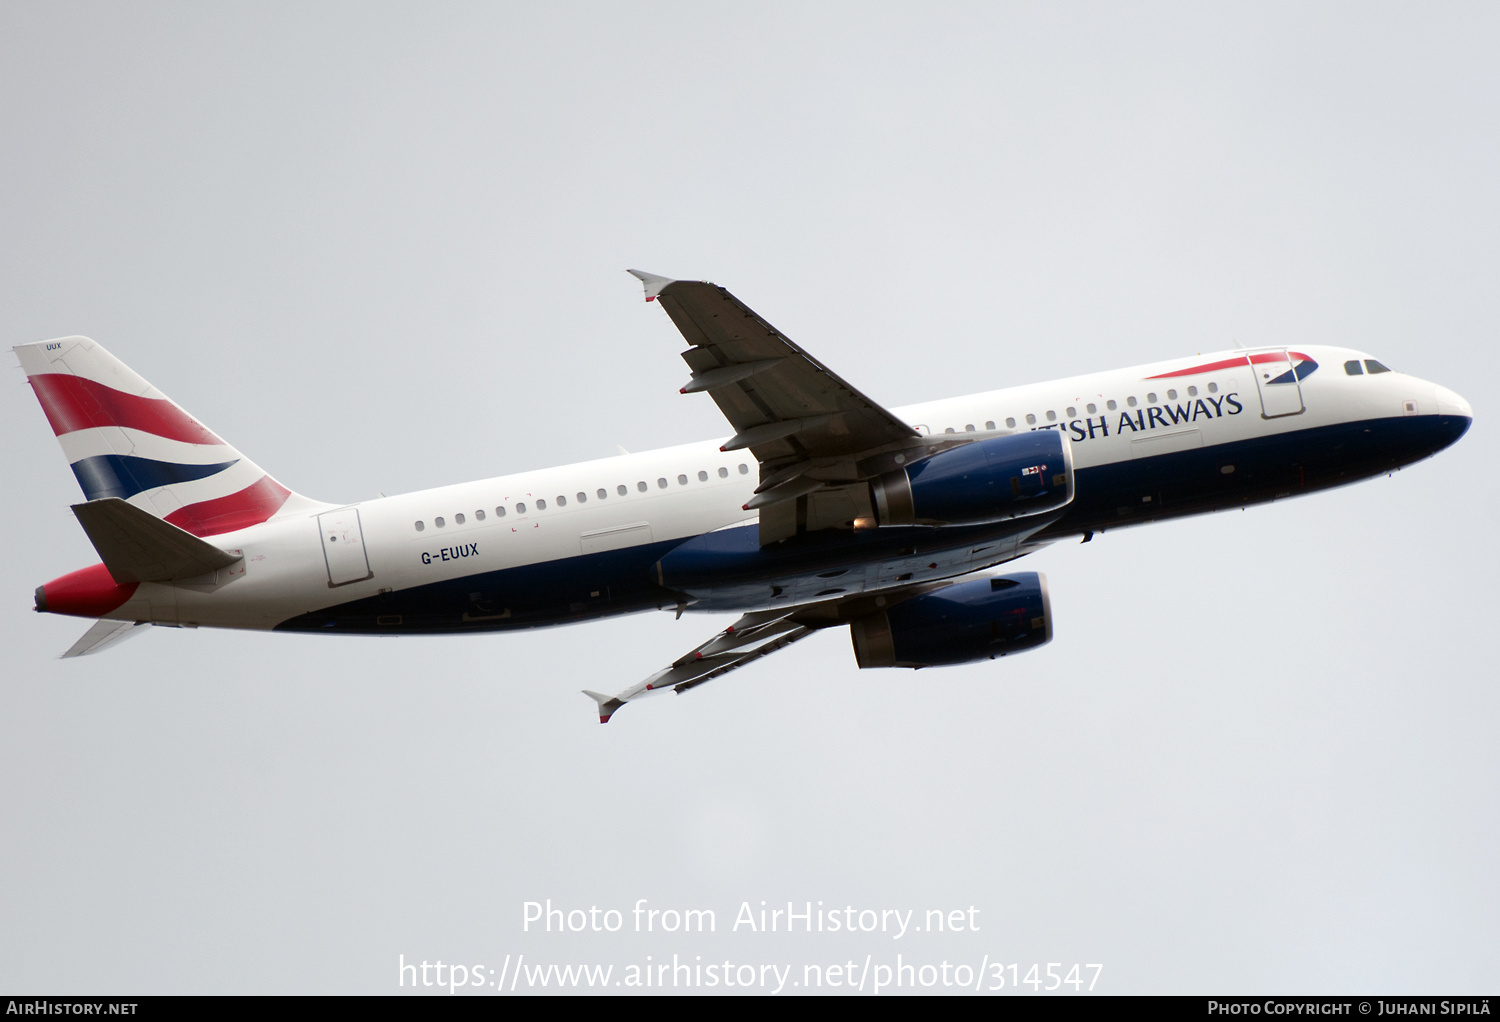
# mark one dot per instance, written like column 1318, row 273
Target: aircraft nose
column 1450, row 403
column 1454, row 416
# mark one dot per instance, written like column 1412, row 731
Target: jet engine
column 986, row 481
column 957, row 624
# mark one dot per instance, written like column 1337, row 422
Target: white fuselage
column 528, row 519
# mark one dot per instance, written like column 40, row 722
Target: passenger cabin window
column 602, row 493
column 682, row 480
column 1372, row 367
column 421, row 526
column 583, row 498
column 744, row 469
column 439, row 522
column 458, row 519
column 1352, row 367
column 723, row 473
column 1030, row 419
column 641, row 485
column 1171, row 395
column 1213, row 388
column 541, row 505
column 1072, row 412
column 1192, row 392
column 621, row 489
column 1111, row 405
column 661, row 483
column 1051, row 415
column 520, row 507
column 1010, row 423
column 948, row 430
column 1130, row 401
column 500, row 511
column 562, row 501
column 1151, row 399
column 990, row 424
column 1093, row 408
column 702, row 477
column 479, row 515
column 969, row 428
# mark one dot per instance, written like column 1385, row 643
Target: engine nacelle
column 958, row 624
column 986, row 481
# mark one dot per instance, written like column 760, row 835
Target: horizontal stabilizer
column 101, row 636
column 136, row 546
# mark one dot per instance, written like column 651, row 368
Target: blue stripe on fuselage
column 1262, row 468
column 1106, row 496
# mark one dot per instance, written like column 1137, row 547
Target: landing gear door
column 344, row 547
column 1276, row 378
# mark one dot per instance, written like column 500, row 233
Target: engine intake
column 957, row 624
column 986, row 481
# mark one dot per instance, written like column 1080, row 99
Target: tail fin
column 126, row 439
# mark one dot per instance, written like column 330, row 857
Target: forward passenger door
column 1276, row 379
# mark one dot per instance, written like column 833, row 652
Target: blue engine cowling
column 986, row 481
column 957, row 624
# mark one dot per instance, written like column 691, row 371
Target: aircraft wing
column 747, row 640
column 757, row 634
column 780, row 400
column 807, row 427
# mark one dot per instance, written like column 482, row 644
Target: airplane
column 823, row 509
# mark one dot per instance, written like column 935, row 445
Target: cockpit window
column 1352, row 367
column 1372, row 367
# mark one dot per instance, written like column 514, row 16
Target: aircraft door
column 1276, row 379
column 344, row 547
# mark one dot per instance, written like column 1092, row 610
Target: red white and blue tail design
column 126, row 439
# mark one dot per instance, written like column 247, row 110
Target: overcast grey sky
column 382, row 247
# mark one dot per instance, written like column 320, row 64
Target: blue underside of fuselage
column 730, row 570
